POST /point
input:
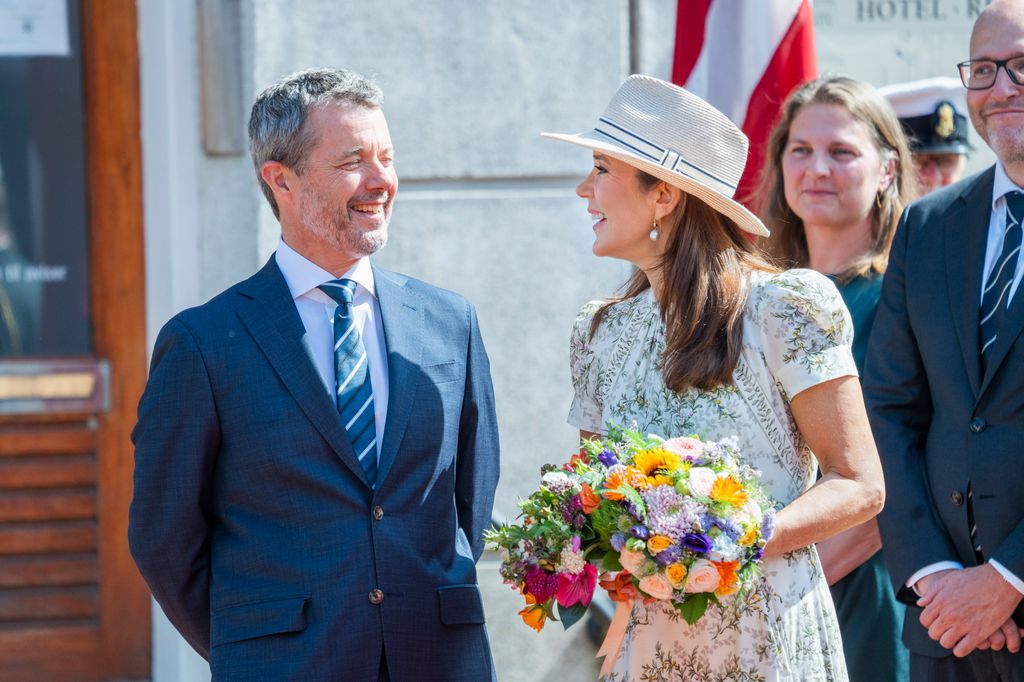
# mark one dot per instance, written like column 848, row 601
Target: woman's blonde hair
column 788, row 243
column 705, row 263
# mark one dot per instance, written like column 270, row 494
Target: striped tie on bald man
column 997, row 289
column 354, row 391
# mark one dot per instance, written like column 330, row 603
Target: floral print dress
column 796, row 334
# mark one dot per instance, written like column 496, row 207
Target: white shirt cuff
column 1017, row 583
column 933, row 568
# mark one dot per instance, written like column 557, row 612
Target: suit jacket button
column 957, row 498
column 378, row 513
column 978, row 425
column 376, row 596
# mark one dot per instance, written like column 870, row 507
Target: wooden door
column 72, row 606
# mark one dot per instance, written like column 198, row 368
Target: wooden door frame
column 110, row 57
column 119, row 646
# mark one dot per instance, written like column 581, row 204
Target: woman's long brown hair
column 705, row 262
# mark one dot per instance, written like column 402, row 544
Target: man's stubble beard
column 333, row 227
column 1007, row 143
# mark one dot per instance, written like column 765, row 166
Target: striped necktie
column 997, row 287
column 354, row 391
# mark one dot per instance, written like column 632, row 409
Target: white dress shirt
column 993, row 248
column 317, row 312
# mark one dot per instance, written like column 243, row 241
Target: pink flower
column 703, row 577
column 684, row 447
column 573, row 589
column 657, row 585
column 632, row 561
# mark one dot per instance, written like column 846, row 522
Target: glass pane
column 44, row 285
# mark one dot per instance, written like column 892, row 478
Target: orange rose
column 589, row 499
column 676, row 574
column 658, row 543
column 534, row 616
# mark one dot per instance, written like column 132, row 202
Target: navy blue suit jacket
column 939, row 421
column 252, row 521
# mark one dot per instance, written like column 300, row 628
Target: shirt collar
column 303, row 276
column 1002, row 185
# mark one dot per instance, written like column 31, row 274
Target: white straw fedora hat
column 676, row 136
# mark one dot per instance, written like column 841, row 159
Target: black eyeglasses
column 980, row 74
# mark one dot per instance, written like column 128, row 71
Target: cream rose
column 701, row 480
column 703, row 577
column 632, row 561
column 657, row 585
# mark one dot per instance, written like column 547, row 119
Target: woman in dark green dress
column 837, row 176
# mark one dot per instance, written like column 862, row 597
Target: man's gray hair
column 277, row 124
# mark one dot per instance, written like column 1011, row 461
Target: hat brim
column 961, row 148
column 738, row 213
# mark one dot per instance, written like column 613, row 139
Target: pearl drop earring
column 654, row 233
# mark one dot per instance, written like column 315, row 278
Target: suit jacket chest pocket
column 440, row 373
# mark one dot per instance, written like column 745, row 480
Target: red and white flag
column 745, row 57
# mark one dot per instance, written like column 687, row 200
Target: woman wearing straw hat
column 709, row 338
column 837, row 175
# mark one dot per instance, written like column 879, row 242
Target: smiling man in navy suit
column 316, row 453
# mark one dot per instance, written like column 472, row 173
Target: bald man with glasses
column 944, row 384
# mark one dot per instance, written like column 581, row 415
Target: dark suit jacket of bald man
column 940, row 422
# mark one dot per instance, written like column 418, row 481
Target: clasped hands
column 970, row 609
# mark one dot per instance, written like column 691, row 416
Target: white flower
column 725, row 549
column 657, row 585
column 556, row 481
column 753, row 511
column 571, row 562
column 701, row 480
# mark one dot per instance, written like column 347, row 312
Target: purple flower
column 668, row 512
column 697, row 543
column 618, row 541
column 732, row 530
column 541, row 584
column 768, row 524
column 758, row 553
column 669, row 556
column 607, row 458
column 640, row 531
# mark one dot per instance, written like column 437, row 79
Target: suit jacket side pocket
column 258, row 619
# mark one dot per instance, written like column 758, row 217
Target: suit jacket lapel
column 402, row 317
column 964, row 265
column 269, row 313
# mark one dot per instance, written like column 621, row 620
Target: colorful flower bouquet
column 679, row 520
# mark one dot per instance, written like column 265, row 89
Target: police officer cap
column 930, row 111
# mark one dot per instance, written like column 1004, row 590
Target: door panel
column 72, row 605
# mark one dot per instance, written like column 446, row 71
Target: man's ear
column 666, row 198
column 279, row 178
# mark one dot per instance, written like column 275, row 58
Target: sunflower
column 657, row 459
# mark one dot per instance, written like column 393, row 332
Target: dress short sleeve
column 806, row 330
column 586, row 410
